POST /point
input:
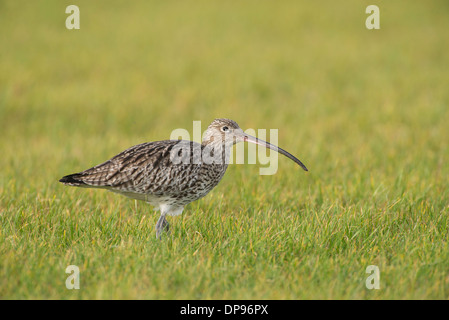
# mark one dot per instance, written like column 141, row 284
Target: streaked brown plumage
column 172, row 173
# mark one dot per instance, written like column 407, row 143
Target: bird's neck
column 216, row 153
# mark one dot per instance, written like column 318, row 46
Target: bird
column 170, row 174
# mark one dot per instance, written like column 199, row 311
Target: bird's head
column 223, row 132
column 226, row 132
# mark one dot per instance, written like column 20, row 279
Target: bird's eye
column 225, row 128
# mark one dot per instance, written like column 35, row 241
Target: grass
column 366, row 111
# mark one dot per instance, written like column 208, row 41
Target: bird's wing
column 161, row 167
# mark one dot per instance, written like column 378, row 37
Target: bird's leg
column 161, row 225
column 165, row 226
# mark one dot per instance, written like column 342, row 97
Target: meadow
column 365, row 110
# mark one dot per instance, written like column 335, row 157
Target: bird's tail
column 73, row 180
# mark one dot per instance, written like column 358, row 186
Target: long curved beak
column 248, row 138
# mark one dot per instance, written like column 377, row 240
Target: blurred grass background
column 366, row 110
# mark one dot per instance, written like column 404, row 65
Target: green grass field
column 365, row 110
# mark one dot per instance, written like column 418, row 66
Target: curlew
column 170, row 174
